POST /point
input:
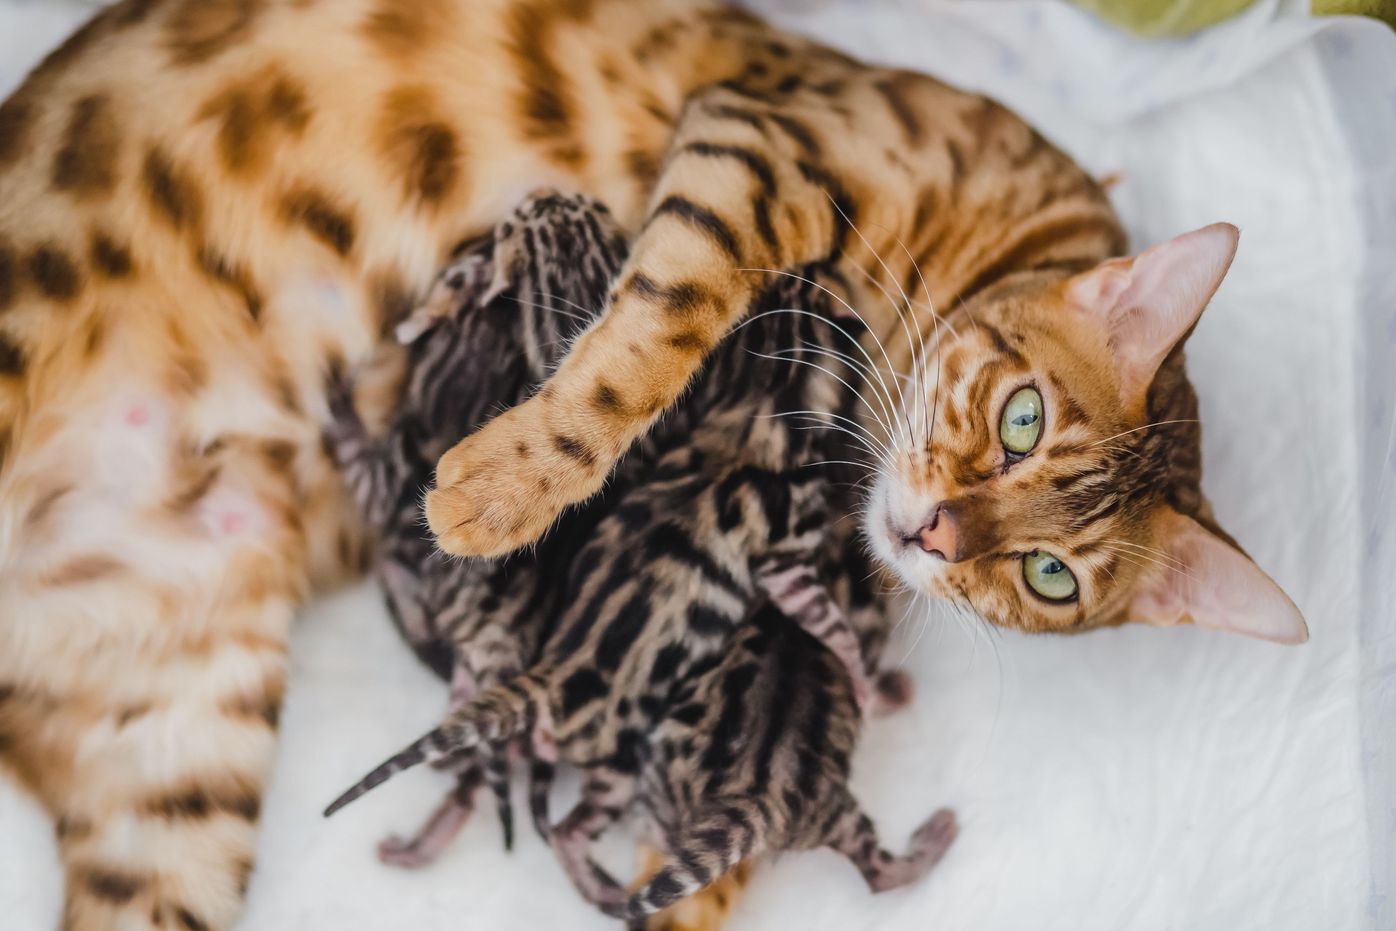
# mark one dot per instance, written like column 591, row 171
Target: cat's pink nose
column 940, row 536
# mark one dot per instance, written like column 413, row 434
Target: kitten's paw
column 406, row 854
column 892, row 692
column 503, row 487
column 544, row 745
column 933, row 838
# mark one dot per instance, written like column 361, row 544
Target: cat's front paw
column 502, row 487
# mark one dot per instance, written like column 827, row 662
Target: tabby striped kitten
column 499, row 317
column 186, row 242
column 733, row 733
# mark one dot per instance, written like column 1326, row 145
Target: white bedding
column 1132, row 779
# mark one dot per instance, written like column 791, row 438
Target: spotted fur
column 170, row 302
column 657, row 669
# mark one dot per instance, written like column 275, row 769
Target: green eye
column 1022, row 421
column 1049, row 577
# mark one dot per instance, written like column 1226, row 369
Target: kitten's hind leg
column 497, row 777
column 856, row 838
column 604, row 799
column 794, row 586
column 422, row 848
column 730, row 830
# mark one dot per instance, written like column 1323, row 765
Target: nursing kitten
column 664, row 679
column 496, row 322
column 199, row 210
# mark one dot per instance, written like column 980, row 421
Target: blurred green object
column 1384, row 10
column 1181, row 17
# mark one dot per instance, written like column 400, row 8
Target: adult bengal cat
column 206, row 204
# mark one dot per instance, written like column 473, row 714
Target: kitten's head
column 1051, row 478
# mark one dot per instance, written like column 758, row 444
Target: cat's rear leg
column 856, row 838
column 146, row 615
column 155, row 779
column 158, row 811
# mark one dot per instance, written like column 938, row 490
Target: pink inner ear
column 1212, row 584
column 1149, row 303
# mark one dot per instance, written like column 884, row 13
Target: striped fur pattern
column 497, row 320
column 658, row 669
column 188, row 242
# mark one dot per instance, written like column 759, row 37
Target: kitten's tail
column 731, row 830
column 494, row 718
column 540, row 786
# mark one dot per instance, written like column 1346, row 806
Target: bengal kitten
column 491, row 330
column 731, row 730
column 200, row 210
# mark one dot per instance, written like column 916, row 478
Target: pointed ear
column 1211, row 583
column 1149, row 303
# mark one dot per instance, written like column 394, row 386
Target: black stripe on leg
column 703, row 219
column 189, row 920
column 12, row 359
column 761, row 211
column 681, row 298
column 753, row 161
column 797, row 131
column 198, row 803
column 112, row 886
column 738, row 114
column 901, row 110
column 574, row 448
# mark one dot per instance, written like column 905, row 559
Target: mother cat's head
column 1051, row 479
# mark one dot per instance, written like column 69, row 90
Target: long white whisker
column 928, row 413
column 883, row 402
column 972, row 322
column 1127, row 557
column 834, row 354
column 893, row 278
column 866, row 436
column 1147, row 426
column 821, row 368
column 1150, row 559
column 1114, row 541
column 847, row 306
column 863, row 444
column 896, row 309
column 820, row 462
column 863, row 449
column 552, row 310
